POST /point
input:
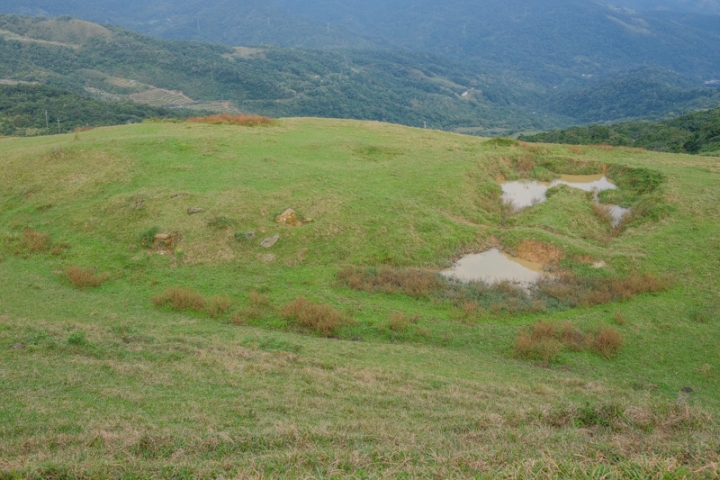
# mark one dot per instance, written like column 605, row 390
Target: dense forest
column 407, row 88
column 554, row 42
column 27, row 109
column 695, row 133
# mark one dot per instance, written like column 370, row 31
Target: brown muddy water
column 521, row 194
column 494, row 266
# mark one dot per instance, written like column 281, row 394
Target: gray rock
column 191, row 211
column 269, row 242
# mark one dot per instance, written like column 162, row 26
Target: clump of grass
column 538, row 343
column 257, row 299
column 544, row 341
column 607, row 342
column 221, row 222
column 147, row 238
column 620, row 318
column 318, row 317
column 180, row 299
column 556, row 293
column 84, row 277
column 227, row 119
column 399, row 321
column 35, row 242
column 502, row 142
column 588, row 291
column 78, row 339
column 412, row 282
column 217, row 305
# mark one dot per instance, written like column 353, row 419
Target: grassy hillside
column 694, row 133
column 407, row 88
column 192, row 357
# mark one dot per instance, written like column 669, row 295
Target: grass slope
column 99, row 383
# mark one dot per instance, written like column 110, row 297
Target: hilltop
column 147, row 332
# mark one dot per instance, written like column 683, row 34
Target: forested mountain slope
column 408, row 88
column 555, row 42
column 697, row 132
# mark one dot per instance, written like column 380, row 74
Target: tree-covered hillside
column 649, row 93
column 697, row 132
column 408, row 88
column 27, row 109
column 554, row 42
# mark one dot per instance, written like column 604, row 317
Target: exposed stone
column 165, row 241
column 270, row 241
column 18, row 346
column 289, row 218
column 191, row 211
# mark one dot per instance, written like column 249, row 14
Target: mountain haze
column 556, row 42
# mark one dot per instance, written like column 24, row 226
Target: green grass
column 100, row 383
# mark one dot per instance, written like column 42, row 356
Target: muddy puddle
column 525, row 193
column 494, row 266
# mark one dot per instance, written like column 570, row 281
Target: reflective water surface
column 495, row 266
column 525, row 193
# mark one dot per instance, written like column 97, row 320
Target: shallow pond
column 494, row 266
column 525, row 193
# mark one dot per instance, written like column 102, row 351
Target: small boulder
column 270, row 241
column 165, row 241
column 192, row 211
column 289, row 218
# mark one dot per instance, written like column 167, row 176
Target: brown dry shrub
column 34, row 241
column 607, row 342
column 537, row 344
column 321, row 318
column 525, row 163
column 225, row 118
column 84, row 277
column 217, row 305
column 412, row 282
column 604, row 147
column 82, row 129
column 577, row 150
column 544, row 341
column 179, row 299
column 572, row 337
column 533, row 148
column 586, row 292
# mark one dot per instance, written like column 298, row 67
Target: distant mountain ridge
column 557, row 43
column 415, row 89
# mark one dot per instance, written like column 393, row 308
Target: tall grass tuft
column 412, row 282
column 84, row 277
column 320, row 318
column 227, row 119
column 607, row 342
column 34, row 241
column 180, row 299
column 544, row 341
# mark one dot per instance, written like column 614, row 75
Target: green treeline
column 23, row 111
column 695, row 133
